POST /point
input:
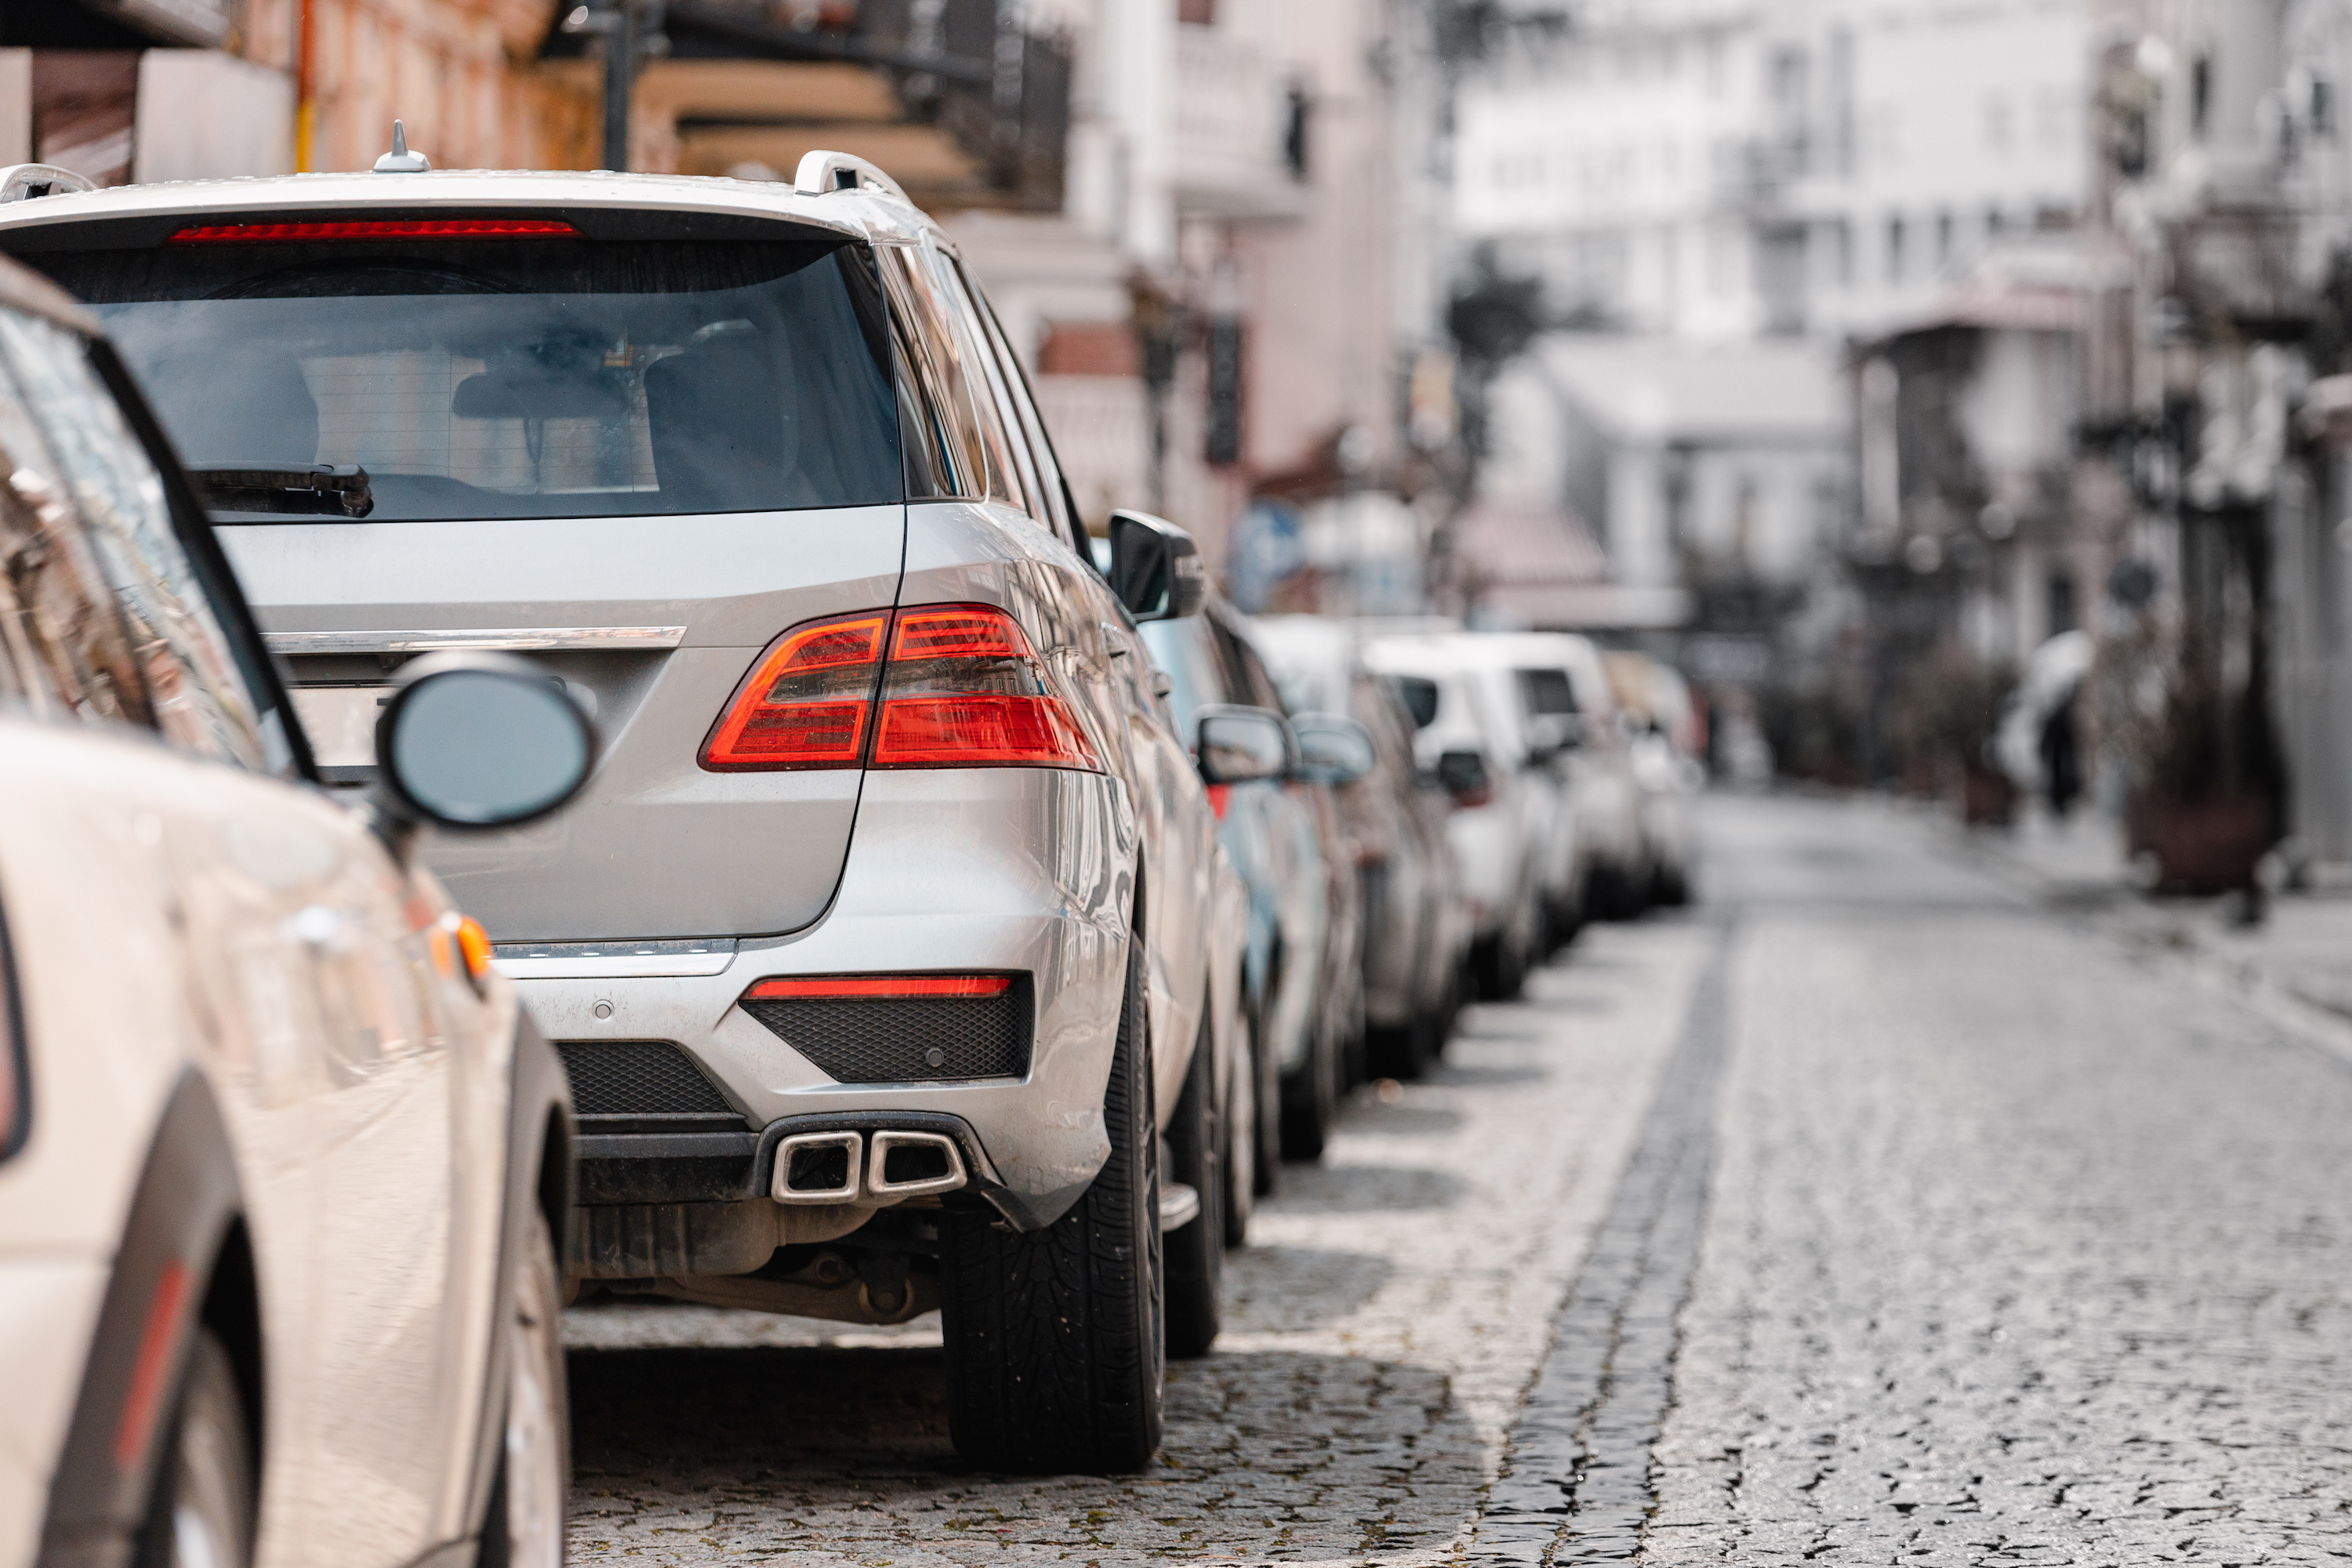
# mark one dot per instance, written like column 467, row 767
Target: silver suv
column 883, row 947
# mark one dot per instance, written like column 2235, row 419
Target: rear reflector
column 962, row 689
column 383, row 228
column 838, row 985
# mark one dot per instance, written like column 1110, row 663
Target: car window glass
column 1055, row 493
column 1257, row 685
column 987, row 347
column 924, row 435
column 936, row 354
column 196, row 694
column 62, row 636
column 979, row 372
column 1547, row 693
column 548, row 377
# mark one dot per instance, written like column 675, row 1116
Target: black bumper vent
column 638, row 1078
column 905, row 1039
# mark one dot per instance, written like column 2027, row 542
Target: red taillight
column 1220, row 796
column 381, row 228
column 838, row 985
column 963, row 689
column 804, row 704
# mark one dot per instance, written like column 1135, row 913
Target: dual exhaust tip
column 855, row 1167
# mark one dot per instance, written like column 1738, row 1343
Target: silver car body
column 647, row 910
column 251, row 1041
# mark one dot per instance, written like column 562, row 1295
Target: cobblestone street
column 1870, row 1214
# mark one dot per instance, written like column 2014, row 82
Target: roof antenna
column 400, row 160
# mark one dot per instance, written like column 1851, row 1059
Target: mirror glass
column 1333, row 748
column 478, row 748
column 1237, row 747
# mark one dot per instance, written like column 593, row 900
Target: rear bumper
column 1025, row 871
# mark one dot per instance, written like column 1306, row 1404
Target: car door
column 321, row 994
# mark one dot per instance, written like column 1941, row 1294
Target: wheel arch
column 183, row 1254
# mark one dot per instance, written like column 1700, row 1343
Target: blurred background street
column 1932, row 425
column 1928, row 1221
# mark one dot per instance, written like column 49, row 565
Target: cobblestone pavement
column 2019, row 1249
column 1940, row 1227
column 1382, row 1326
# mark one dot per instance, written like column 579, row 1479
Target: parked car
column 282, row 1164
column 1504, row 814
column 1568, row 710
column 882, row 946
column 1666, row 742
column 1415, row 937
column 1305, row 962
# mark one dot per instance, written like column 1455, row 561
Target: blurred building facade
column 1715, row 169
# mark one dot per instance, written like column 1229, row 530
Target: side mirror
column 1333, row 749
column 477, row 741
column 1155, row 568
column 1242, row 745
column 1463, row 775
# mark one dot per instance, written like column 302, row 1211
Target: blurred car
column 1303, row 967
column 1501, row 824
column 880, row 947
column 1416, row 936
column 282, row 1165
column 1569, row 712
column 1666, row 740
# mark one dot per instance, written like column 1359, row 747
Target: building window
column 1199, row 13
column 2201, row 94
column 1893, row 250
column 1842, row 252
column 1943, row 239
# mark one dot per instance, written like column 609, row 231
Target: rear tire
column 1055, row 1347
column 1195, row 1252
column 1310, row 1099
column 201, row 1515
column 524, row 1525
column 1268, row 1125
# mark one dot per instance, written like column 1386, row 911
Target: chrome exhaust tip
column 819, row 1168
column 910, row 1165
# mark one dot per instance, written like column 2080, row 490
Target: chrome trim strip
column 507, row 638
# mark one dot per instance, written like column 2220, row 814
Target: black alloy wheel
column 1056, row 1339
column 1195, row 1251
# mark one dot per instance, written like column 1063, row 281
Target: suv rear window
column 540, row 378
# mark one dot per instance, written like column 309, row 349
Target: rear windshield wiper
column 339, row 489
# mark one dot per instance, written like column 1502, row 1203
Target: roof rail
column 821, row 171
column 23, row 181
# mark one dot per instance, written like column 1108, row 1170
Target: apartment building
column 1725, row 168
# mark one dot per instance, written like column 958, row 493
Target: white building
column 1724, row 168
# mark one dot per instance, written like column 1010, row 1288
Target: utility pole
column 619, row 81
column 616, row 22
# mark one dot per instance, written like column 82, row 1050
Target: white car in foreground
column 281, row 1161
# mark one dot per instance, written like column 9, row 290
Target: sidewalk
column 2295, row 966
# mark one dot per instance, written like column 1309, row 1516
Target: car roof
column 23, row 289
column 865, row 213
